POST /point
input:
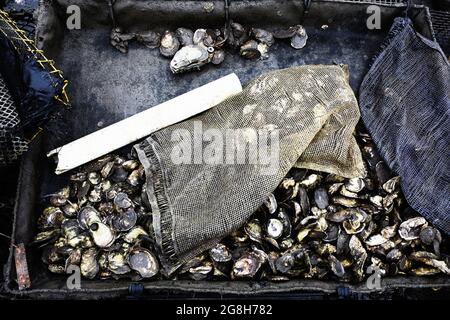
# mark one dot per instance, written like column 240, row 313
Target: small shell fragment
column 185, row 36
column 247, row 265
column 218, row 57
column 410, row 229
column 220, row 253
column 169, row 44
column 354, row 185
column 89, row 265
column 249, row 50
column 271, row 203
column 376, row 240
column 274, row 228
column 189, row 57
column 298, row 40
column 149, row 38
column 263, row 36
column 321, row 198
column 102, row 235
column 143, row 262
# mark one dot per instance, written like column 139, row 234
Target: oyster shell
column 169, row 44
column 143, row 262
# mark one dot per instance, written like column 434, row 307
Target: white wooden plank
column 144, row 123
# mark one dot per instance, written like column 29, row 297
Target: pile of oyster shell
column 191, row 50
column 314, row 225
column 100, row 222
column 323, row 226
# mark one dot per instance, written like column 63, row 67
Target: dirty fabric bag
column 302, row 116
column 405, row 105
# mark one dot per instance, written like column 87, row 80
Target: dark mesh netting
column 12, row 145
column 313, row 112
column 30, row 89
column 405, row 105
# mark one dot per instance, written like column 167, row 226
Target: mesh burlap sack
column 309, row 111
column 405, row 105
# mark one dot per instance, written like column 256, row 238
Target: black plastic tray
column 107, row 86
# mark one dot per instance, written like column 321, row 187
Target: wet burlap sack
column 405, row 105
column 308, row 114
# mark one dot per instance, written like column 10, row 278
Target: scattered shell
column 122, row 201
column 220, row 253
column 87, row 216
column 298, row 40
column 70, row 210
column 89, row 266
column 336, row 266
column 134, row 234
column 218, row 57
column 149, row 38
column 102, row 235
column 314, row 225
column 94, row 178
column 74, row 259
column 321, row 198
column 253, row 230
column 117, row 263
column 377, row 200
column 201, row 272
column 237, row 29
column 391, row 185
column 199, row 36
column 169, row 44
column 285, row 33
column 389, row 231
column 119, row 39
column 134, row 178
column 249, row 50
column 376, row 240
column 185, row 36
column 359, row 255
column 274, row 228
column 346, row 202
column 189, row 57
column 303, row 234
column 263, row 36
column 125, row 220
column 354, row 185
column 52, row 217
column 263, row 50
column 119, row 174
column 143, row 262
column 247, row 265
column 410, row 229
column 271, row 203
column 311, row 181
column 285, row 263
